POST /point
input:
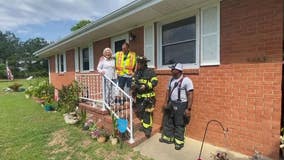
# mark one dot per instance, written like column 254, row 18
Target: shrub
column 69, row 98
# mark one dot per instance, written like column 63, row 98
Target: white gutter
column 92, row 26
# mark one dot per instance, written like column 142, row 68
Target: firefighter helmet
column 142, row 59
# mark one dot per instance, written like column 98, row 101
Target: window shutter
column 91, row 58
column 81, row 58
column 210, row 33
column 56, row 63
column 64, row 62
column 149, row 44
column 76, row 59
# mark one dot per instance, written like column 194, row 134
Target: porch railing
column 105, row 93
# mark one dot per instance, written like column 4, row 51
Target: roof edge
column 106, row 18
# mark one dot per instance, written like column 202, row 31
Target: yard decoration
column 71, row 118
column 122, row 127
column 225, row 131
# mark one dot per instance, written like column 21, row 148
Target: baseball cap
column 177, row 66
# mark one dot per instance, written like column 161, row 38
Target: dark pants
column 173, row 122
column 124, row 81
column 145, row 117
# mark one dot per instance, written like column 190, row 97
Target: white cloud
column 17, row 13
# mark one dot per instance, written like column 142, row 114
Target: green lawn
column 27, row 132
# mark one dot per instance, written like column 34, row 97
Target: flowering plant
column 95, row 134
column 282, row 139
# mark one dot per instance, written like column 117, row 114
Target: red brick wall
column 59, row 79
column 243, row 92
column 250, row 30
column 137, row 45
column 99, row 46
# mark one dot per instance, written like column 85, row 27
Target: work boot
column 147, row 132
column 178, row 146
column 147, row 135
column 165, row 141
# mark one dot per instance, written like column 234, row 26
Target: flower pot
column 48, row 107
column 101, row 139
column 113, row 140
column 40, row 101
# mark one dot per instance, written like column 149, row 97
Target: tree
column 80, row 24
column 20, row 55
column 33, row 64
column 9, row 45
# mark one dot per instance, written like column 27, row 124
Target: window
column 191, row 39
column 179, row 42
column 61, row 66
column 60, row 63
column 117, row 41
column 85, row 58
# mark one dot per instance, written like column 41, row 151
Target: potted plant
column 102, row 136
column 48, row 91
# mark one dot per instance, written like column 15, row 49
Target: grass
column 30, row 133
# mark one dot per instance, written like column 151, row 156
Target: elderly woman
column 106, row 64
column 106, row 67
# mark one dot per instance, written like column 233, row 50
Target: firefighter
column 178, row 104
column 143, row 83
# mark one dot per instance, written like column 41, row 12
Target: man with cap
column 177, row 107
column 143, row 83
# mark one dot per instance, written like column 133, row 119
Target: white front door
column 116, row 42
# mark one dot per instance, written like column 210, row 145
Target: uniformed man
column 125, row 62
column 178, row 104
column 143, row 83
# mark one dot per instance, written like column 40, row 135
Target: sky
column 51, row 19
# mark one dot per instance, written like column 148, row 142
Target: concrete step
column 139, row 136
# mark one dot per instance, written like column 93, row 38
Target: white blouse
column 108, row 67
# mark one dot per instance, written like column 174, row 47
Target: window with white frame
column 179, row 42
column 60, row 63
column 192, row 40
column 86, row 59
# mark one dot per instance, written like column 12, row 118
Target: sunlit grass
column 27, row 132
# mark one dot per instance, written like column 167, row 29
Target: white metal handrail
column 107, row 104
column 97, row 88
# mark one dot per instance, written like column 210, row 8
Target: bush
column 41, row 88
column 69, row 98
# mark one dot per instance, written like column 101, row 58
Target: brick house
column 231, row 49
